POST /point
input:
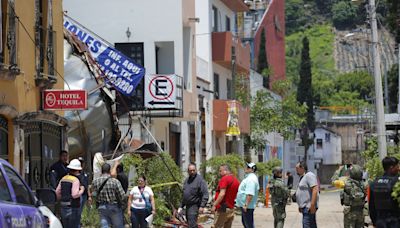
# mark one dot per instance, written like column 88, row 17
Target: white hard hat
column 75, row 164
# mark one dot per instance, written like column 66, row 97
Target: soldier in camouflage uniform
column 279, row 195
column 353, row 199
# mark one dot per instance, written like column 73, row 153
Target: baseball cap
column 252, row 166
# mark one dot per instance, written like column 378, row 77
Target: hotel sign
column 64, row 99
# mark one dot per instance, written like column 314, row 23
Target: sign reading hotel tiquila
column 64, row 99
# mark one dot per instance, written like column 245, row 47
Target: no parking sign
column 160, row 91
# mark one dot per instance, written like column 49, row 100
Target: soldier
column 279, row 195
column 383, row 209
column 353, row 199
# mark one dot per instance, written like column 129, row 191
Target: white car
column 52, row 220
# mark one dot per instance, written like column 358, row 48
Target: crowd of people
column 112, row 198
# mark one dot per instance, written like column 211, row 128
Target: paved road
column 329, row 215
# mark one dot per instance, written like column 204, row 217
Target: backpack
column 353, row 193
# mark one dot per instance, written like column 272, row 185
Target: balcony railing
column 224, row 46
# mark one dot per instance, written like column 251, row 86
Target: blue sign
column 120, row 72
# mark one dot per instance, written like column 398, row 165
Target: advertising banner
column 233, row 119
column 120, row 71
column 64, row 99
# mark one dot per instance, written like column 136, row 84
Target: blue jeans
column 309, row 220
column 248, row 218
column 111, row 215
column 138, row 218
column 70, row 217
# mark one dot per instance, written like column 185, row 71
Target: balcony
column 236, row 5
column 220, row 117
column 222, row 45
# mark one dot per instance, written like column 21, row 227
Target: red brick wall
column 275, row 39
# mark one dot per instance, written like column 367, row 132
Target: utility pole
column 380, row 116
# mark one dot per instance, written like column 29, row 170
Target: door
column 175, row 143
column 32, row 154
column 51, row 147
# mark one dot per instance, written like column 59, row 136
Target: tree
column 344, row 14
column 305, row 94
column 393, row 81
column 262, row 64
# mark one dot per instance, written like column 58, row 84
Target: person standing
column 84, row 180
column 109, row 194
column 141, row 203
column 383, row 209
column 353, row 199
column 59, row 169
column 69, row 190
column 195, row 196
column 117, row 171
column 289, row 185
column 279, row 197
column 224, row 202
column 307, row 195
column 248, row 194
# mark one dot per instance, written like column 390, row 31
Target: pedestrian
column 84, row 180
column 69, row 191
column 248, row 194
column 307, row 195
column 383, row 209
column 279, row 196
column 141, row 203
column 109, row 194
column 224, row 201
column 289, row 184
column 118, row 172
column 59, row 169
column 195, row 196
column 353, row 199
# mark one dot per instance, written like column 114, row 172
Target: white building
column 159, row 36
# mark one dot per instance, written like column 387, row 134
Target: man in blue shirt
column 247, row 195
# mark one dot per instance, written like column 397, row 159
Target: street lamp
column 380, row 116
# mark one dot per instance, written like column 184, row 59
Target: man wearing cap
column 70, row 191
column 248, row 194
column 279, row 196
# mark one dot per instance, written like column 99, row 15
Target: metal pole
column 380, row 116
column 398, row 92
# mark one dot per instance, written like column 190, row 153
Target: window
column 216, row 86
column 4, row 192
column 12, row 34
column 327, row 137
column 22, row 193
column 215, row 19
column 136, row 101
column 319, row 144
column 227, row 23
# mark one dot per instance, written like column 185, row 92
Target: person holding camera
column 247, row 195
column 225, row 196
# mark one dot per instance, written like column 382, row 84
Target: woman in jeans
column 139, row 201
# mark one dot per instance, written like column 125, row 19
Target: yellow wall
column 22, row 93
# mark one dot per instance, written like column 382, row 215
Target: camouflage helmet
column 277, row 170
column 356, row 172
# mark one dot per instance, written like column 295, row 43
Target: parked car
column 19, row 207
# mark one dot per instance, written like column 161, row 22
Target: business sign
column 160, row 91
column 120, row 71
column 64, row 99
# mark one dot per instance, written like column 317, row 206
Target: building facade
column 31, row 60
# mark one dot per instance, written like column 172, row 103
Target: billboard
column 120, row 72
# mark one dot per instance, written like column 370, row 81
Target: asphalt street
column 329, row 214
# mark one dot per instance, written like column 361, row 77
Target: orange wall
column 220, row 117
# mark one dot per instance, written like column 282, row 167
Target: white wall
column 203, row 40
column 331, row 150
column 149, row 21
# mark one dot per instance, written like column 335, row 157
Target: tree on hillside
column 305, row 94
column 394, row 18
column 262, row 64
column 393, row 80
column 344, row 14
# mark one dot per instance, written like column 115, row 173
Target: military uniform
column 279, row 195
column 353, row 199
